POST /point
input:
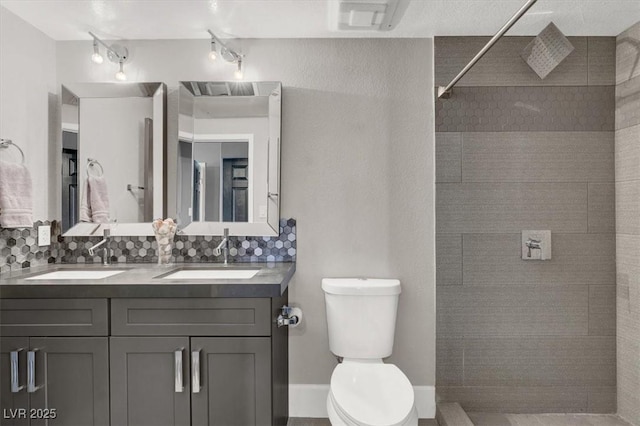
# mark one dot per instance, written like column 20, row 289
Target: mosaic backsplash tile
column 19, row 247
column 20, row 251
column 510, row 109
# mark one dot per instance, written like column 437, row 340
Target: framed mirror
column 113, row 157
column 228, row 158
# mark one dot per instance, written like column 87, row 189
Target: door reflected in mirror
column 228, row 158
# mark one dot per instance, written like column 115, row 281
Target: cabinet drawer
column 54, row 317
column 191, row 317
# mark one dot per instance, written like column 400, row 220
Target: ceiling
column 189, row 19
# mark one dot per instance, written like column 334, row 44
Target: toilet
column 364, row 391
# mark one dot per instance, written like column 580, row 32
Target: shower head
column 547, row 50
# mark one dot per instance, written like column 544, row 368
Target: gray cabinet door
column 235, row 377
column 144, row 376
column 72, row 377
column 13, row 403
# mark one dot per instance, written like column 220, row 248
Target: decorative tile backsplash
column 19, row 248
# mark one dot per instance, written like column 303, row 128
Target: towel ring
column 92, row 162
column 6, row 143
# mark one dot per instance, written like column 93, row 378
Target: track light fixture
column 219, row 49
column 115, row 53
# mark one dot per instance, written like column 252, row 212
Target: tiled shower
column 514, row 153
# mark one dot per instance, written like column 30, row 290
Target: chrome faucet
column 106, row 250
column 224, row 246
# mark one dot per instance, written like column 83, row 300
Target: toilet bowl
column 364, row 391
column 368, row 394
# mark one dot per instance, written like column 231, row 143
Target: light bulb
column 239, row 73
column 97, row 58
column 120, row 75
column 213, row 55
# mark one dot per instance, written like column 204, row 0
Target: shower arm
column 445, row 92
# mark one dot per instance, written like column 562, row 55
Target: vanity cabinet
column 50, row 375
column 197, row 361
column 144, row 361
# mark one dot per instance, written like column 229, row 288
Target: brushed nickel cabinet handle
column 15, row 368
column 179, row 385
column 195, row 371
column 31, row 372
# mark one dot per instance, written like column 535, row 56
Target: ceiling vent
column 368, row 15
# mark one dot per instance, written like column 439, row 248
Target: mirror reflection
column 228, row 157
column 112, row 141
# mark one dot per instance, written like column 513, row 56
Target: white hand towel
column 16, row 200
column 85, row 206
column 99, row 199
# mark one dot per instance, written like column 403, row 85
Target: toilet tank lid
column 361, row 286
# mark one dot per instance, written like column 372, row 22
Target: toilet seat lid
column 372, row 394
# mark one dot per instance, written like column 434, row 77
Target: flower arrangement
column 164, row 230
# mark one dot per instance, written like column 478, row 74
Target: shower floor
column 496, row 419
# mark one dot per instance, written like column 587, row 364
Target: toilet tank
column 361, row 316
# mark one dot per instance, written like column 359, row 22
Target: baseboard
column 311, row 401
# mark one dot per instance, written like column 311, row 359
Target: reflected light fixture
column 226, row 53
column 115, row 53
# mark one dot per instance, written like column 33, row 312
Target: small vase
column 165, row 245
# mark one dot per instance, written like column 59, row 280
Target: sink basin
column 214, row 274
column 76, row 275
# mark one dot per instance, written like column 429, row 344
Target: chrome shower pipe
column 445, row 92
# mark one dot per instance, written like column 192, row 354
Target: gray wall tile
column 602, row 216
column 502, row 65
column 538, row 157
column 511, row 207
column 601, row 56
column 449, row 358
column 627, row 103
column 514, row 109
column 535, row 361
column 517, row 399
column 448, row 157
column 627, row 64
column 627, row 150
column 628, row 249
column 512, row 311
column 601, row 399
column 448, row 259
column 578, row 259
column 628, row 207
column 602, row 310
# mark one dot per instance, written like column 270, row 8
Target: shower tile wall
column 628, row 221
column 514, row 152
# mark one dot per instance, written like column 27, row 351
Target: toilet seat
column 371, row 394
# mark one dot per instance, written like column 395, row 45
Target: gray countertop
column 142, row 280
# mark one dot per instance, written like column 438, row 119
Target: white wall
column 113, row 133
column 357, row 171
column 28, row 105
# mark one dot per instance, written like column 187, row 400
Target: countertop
column 141, row 280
